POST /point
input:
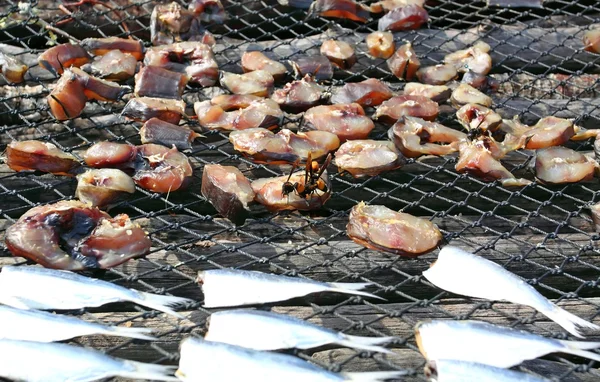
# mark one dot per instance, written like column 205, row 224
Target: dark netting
column 542, row 233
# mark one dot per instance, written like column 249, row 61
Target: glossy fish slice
column 228, row 190
column 40, row 156
column 340, row 53
column 63, row 56
column 318, row 67
column 99, row 89
column 35, row 325
column 371, row 92
column 193, row 58
column 161, row 169
column 398, row 107
column 258, row 83
column 347, row 121
column 473, row 59
column 436, row 93
column 404, row 18
column 67, row 290
column 466, row 94
column 342, row 9
column 67, row 100
column 60, row 362
column 167, row 134
column 252, row 61
column 214, row 361
column 381, row 44
column 437, row 74
column 154, row 81
column 415, row 137
column 464, row 273
column 144, row 108
column 103, row 46
column 238, row 112
column 12, row 69
column 100, row 187
column 113, row 66
column 300, row 95
column 272, row 331
column 110, row 154
column 558, row 165
column 481, row 342
column 253, row 287
column 404, row 63
column 367, row 157
column 445, row 370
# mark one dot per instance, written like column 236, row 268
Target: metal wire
column 543, row 233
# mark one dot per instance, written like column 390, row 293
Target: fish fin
column 366, row 343
column 574, row 349
column 149, row 371
column 570, row 322
column 160, row 302
column 581, row 345
column 353, row 288
column 373, row 376
column 122, row 331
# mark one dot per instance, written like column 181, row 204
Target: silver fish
column 52, row 362
column 480, row 342
column 209, row 361
column 464, row 273
column 35, row 325
column 445, row 370
column 234, row 287
column 260, row 330
column 30, row 287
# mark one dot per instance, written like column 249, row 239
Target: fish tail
column 353, row 288
column 570, row 322
column 139, row 370
column 373, row 376
column 161, row 303
column 122, row 331
column 366, row 343
column 577, row 348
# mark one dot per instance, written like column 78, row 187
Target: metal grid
column 542, row 233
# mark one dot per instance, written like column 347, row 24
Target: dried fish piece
column 547, row 132
column 39, row 156
column 59, row 57
column 299, row 95
column 340, row 53
column 398, row 107
column 403, row 18
column 346, row 121
column 381, row 44
column 342, row 9
column 475, row 59
column 161, row 169
column 246, row 112
column 102, row 46
column 466, row 94
column 437, row 74
column 415, row 137
column 103, row 186
column 143, row 108
column 383, row 229
column 318, row 67
column 209, row 11
column 559, row 165
column 98, row 89
column 154, row 81
column 167, row 134
column 480, row 82
column 110, row 154
column 478, row 118
column 113, row 66
column 228, row 190
column 252, row 61
column 371, row 92
column 404, row 63
column 171, row 23
column 258, row 83
column 367, row 157
column 450, row 370
column 12, row 68
column 591, row 40
column 67, row 100
column 436, row 93
column 390, row 5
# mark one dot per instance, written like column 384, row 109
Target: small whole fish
column 445, row 370
column 260, row 330
column 208, row 361
column 252, row 287
column 54, row 362
column 464, row 273
column 35, row 325
column 480, row 342
column 30, row 287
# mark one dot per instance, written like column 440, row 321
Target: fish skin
column 252, row 287
column 272, row 331
column 481, row 342
column 55, row 362
column 460, row 371
column 31, row 287
column 35, row 325
column 203, row 360
column 464, row 273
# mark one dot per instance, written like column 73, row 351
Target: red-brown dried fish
column 342, row 9
column 478, row 118
column 258, row 83
column 195, row 59
column 318, row 67
column 252, row 61
column 371, row 92
column 475, row 59
column 102, row 46
column 415, row 137
column 161, row 169
column 264, row 146
column 381, row 44
column 238, row 112
column 437, row 74
column 383, row 229
column 143, row 108
column 403, row 18
column 71, row 235
column 346, row 121
column 398, row 107
column 60, row 57
column 67, row 100
column 367, row 157
column 12, row 68
column 340, row 53
column 171, row 23
column 154, row 81
column 390, row 5
column 466, row 94
column 591, row 40
column 559, row 165
column 547, row 132
column 101, row 187
column 436, row 93
column 113, row 66
column 228, row 190
column 299, row 95
column 167, row 134
column 110, row 154
column 98, row 89
column 404, row 63
column 39, row 156
column 209, row 11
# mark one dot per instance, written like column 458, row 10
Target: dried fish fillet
column 381, row 44
column 113, row 66
column 103, row 186
column 144, row 108
column 39, row 156
column 238, row 112
column 252, row 61
column 228, row 190
column 437, row 74
column 300, row 95
column 404, row 18
column 342, row 9
column 258, row 83
column 103, row 46
column 404, row 63
column 347, row 121
column 63, row 56
column 13, row 70
column 154, row 81
column 340, row 53
column 436, row 93
column 367, row 157
column 559, row 165
column 167, row 134
column 318, row 67
column 466, row 94
column 370, row 92
column 398, row 107
column 415, row 137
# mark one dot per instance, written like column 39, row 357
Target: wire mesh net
column 542, row 233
